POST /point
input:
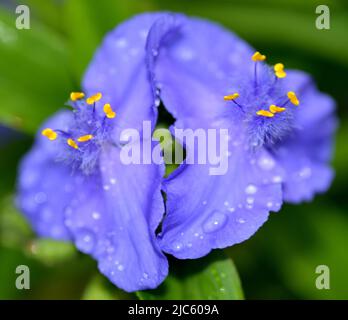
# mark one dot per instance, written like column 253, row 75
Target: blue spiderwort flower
column 280, row 137
column 72, row 185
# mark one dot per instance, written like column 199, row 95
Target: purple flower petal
column 114, row 217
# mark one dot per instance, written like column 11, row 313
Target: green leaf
column 99, row 288
column 34, row 79
column 50, row 251
column 212, row 277
column 14, row 229
column 88, row 21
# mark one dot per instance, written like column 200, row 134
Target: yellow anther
column 72, row 143
column 265, row 113
column 274, row 109
column 76, row 96
column 293, row 98
column 92, row 99
column 279, row 70
column 257, row 56
column 49, row 134
column 85, row 138
column 108, row 111
column 231, row 96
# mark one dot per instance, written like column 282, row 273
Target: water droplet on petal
column 145, row 275
column 96, row 215
column 121, row 43
column 251, row 189
column 40, row 197
column 250, row 200
column 85, row 241
column 305, row 172
column 266, row 163
column 240, row 220
column 215, row 222
column 157, row 102
column 177, row 246
column 277, row 179
column 120, row 267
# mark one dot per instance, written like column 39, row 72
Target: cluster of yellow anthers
column 279, row 73
column 74, row 96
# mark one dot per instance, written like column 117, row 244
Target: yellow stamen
column 76, row 96
column 265, row 113
column 257, row 56
column 108, row 111
column 92, row 99
column 49, row 134
column 85, row 138
column 274, row 109
column 231, row 97
column 293, row 98
column 72, row 143
column 279, row 70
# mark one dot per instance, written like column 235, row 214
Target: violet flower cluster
column 72, row 185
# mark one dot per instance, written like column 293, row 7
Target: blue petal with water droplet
column 206, row 211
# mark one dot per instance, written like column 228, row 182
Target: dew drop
column 112, row 180
column 157, row 102
column 251, row 189
column 240, row 220
column 177, row 246
column 204, row 202
column 277, row 179
column 121, row 43
column 85, row 241
column 120, row 267
column 266, row 163
column 145, row 275
column 96, row 215
column 305, row 173
column 250, row 200
column 40, row 197
column 215, row 222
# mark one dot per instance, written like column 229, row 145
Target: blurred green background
column 40, row 66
